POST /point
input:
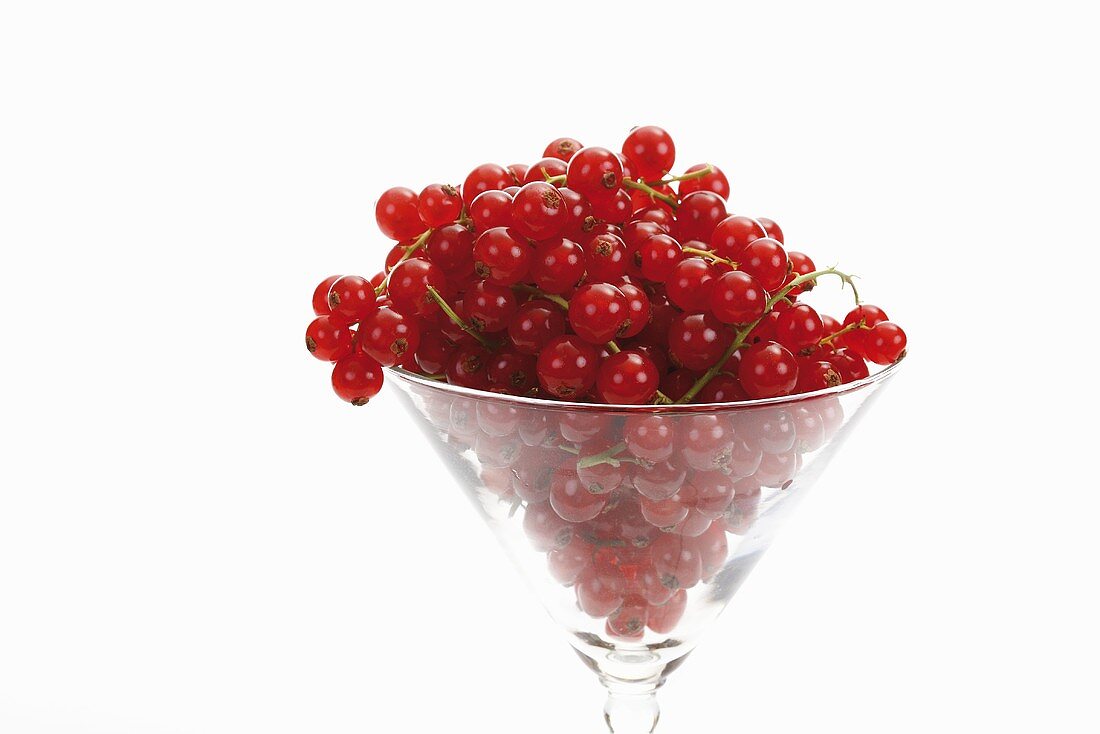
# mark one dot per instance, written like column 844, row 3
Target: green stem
column 456, row 319
column 708, row 255
column 613, row 347
column 604, row 457
column 420, row 242
column 542, row 294
column 661, row 399
column 653, row 193
column 861, row 324
column 739, row 339
column 686, row 177
column 555, row 180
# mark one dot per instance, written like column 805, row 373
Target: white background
column 197, row 537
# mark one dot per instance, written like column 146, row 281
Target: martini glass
column 634, row 525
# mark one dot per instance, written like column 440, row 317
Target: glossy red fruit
column 535, row 324
column 605, row 258
column 799, row 327
column 439, row 204
column 408, row 287
column 737, row 298
column 562, row 148
column 544, row 528
column 697, row 341
column 766, row 260
column 659, row 255
column 884, row 343
column 771, row 228
column 539, row 211
column 513, row 373
column 595, row 172
column 698, row 216
column 733, row 234
column 502, row 256
column 650, row 437
column 571, row 499
column 768, row 370
column 627, row 378
column 558, row 265
column 451, row 248
column 469, row 367
column 722, row 389
column 544, row 170
column 615, row 209
column 598, row 595
column 567, row 367
column 328, row 339
column 320, row 295
column 690, row 284
column 489, row 307
column 629, row 620
column 866, row 315
column 491, row 209
column 397, row 214
column 351, row 298
column 387, row 336
column 663, row 618
column 434, row 352
column 486, row 177
column 356, row 379
column 816, row 375
column 849, row 364
column 801, row 264
column 715, row 181
column 650, row 151
column 638, row 309
column 597, row 311
column 677, row 561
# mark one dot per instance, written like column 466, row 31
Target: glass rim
column 470, row 392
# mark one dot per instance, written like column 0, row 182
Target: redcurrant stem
column 739, row 339
column 686, row 177
column 653, row 193
column 554, row 180
column 542, row 294
column 604, row 457
column 659, row 398
column 613, row 347
column 861, row 324
column 456, row 319
column 420, row 242
column 708, row 255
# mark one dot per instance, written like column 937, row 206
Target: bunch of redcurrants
column 591, row 276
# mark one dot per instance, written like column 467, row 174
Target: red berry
column 638, row 309
column 663, row 618
column 627, row 378
column 357, row 379
column 722, row 389
column 397, row 214
column 594, row 172
column 801, row 264
column 651, row 438
column 816, row 375
column 452, row 249
column 469, row 366
column 539, row 211
column 351, row 298
column 615, row 209
column 486, row 177
column 439, row 204
column 677, row 561
column 408, row 287
column 771, row 228
column 866, row 315
column 434, row 353
column 629, row 620
column 320, row 295
column 698, row 216
column 328, row 339
column 567, row 367
column 884, row 343
column 799, row 327
column 545, row 169
column 605, row 258
column 558, row 265
column 715, row 181
column 502, row 256
column 491, row 209
column 697, row 341
column 733, row 234
column 387, row 335
column 535, row 324
column 768, row 370
column 489, row 307
column 737, row 298
column 597, row 312
column 562, row 148
column 849, row 364
column 690, row 284
column 571, row 499
column 597, row 595
column 650, row 151
column 659, row 256
column 512, row 372
column 766, row 260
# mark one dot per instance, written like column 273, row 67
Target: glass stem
column 631, row 706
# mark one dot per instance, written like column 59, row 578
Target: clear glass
column 634, row 525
